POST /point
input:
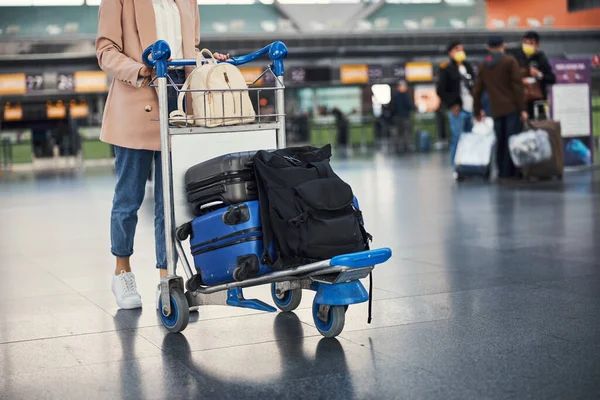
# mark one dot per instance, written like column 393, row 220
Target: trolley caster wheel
column 183, row 232
column 288, row 300
column 329, row 320
column 180, row 312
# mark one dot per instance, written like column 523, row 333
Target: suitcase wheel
column 184, row 231
column 236, row 215
column 288, row 300
column 180, row 312
column 247, row 267
column 329, row 320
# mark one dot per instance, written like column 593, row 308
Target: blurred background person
column 537, row 72
column 454, row 87
column 401, row 107
column 341, row 126
column 500, row 77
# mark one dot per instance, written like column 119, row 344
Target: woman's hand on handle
column 145, row 71
column 221, row 57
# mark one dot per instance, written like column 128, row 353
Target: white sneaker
column 125, row 291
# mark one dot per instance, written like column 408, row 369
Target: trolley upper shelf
column 157, row 55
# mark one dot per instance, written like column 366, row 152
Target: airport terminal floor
column 493, row 292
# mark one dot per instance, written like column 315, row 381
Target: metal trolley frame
column 336, row 281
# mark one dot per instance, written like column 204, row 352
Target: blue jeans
column 132, row 168
column 463, row 122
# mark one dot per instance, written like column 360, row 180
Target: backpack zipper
column 226, row 80
column 229, row 86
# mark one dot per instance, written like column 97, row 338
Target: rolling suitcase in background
column 227, row 244
column 553, row 167
column 475, row 152
column 220, row 182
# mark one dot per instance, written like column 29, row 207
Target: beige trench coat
column 125, row 29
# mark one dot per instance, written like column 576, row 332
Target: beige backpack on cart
column 222, row 97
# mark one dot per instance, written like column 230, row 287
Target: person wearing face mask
column 455, row 82
column 536, row 68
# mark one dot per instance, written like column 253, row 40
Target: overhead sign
column 399, row 71
column 419, row 71
column 354, row 74
column 56, row 111
column 35, row 82
column 13, row 84
column 80, row 110
column 251, row 73
column 90, row 81
column 375, row 73
column 297, row 74
column 13, row 113
column 66, row 82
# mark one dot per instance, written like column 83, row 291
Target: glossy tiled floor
column 493, row 292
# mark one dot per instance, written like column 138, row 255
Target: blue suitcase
column 227, row 244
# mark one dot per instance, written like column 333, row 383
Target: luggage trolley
column 335, row 281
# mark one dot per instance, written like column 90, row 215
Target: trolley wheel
column 183, row 232
column 180, row 312
column 288, row 300
column 333, row 323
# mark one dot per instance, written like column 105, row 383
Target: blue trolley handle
column 156, row 56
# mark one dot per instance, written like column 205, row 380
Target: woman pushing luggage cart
column 219, row 126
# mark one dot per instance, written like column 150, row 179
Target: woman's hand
column 145, row 71
column 221, row 57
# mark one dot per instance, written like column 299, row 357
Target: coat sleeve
column 516, row 81
column 109, row 46
column 197, row 27
column 441, row 86
column 477, row 93
column 549, row 77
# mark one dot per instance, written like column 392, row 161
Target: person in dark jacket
column 535, row 64
column 341, row 124
column 454, row 86
column 402, row 106
column 500, row 77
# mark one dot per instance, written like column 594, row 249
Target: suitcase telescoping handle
column 536, row 108
column 157, row 55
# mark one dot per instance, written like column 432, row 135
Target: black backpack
column 307, row 212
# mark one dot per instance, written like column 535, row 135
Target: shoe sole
column 129, row 306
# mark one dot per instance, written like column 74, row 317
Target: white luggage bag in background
column 475, row 151
column 530, row 147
